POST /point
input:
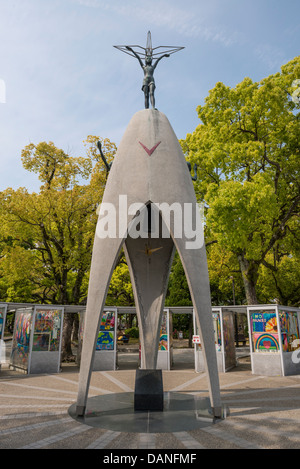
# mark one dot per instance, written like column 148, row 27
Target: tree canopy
column 47, row 237
column 247, row 151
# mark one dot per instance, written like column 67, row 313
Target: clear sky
column 61, row 79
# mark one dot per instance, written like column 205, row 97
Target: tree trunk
column 249, row 272
column 75, row 330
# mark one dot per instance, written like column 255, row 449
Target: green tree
column 225, row 277
column 120, row 291
column 178, row 293
column 52, row 232
column 247, row 151
column 281, row 283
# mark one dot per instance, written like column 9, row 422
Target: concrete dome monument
column 149, row 209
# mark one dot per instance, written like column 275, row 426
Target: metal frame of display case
column 273, row 363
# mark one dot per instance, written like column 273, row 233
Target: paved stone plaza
column 264, row 412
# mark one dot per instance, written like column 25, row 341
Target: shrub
column 133, row 332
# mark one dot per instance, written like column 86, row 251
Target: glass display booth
column 274, row 340
column 105, row 357
column 223, row 322
column 3, row 311
column 36, row 344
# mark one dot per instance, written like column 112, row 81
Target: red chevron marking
column 151, row 149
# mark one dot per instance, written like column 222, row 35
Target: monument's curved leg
column 194, row 262
column 105, row 255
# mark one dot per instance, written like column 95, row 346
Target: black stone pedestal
column 148, row 393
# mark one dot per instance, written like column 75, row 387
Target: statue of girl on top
column 148, row 82
column 148, row 67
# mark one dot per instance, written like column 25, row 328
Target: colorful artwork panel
column 264, row 327
column 217, row 330
column 289, row 330
column 163, row 338
column 105, row 340
column 266, row 342
column 2, row 314
column 262, row 321
column 21, row 338
column 265, row 322
column 47, row 330
column 163, row 342
column 41, row 342
column 108, row 321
